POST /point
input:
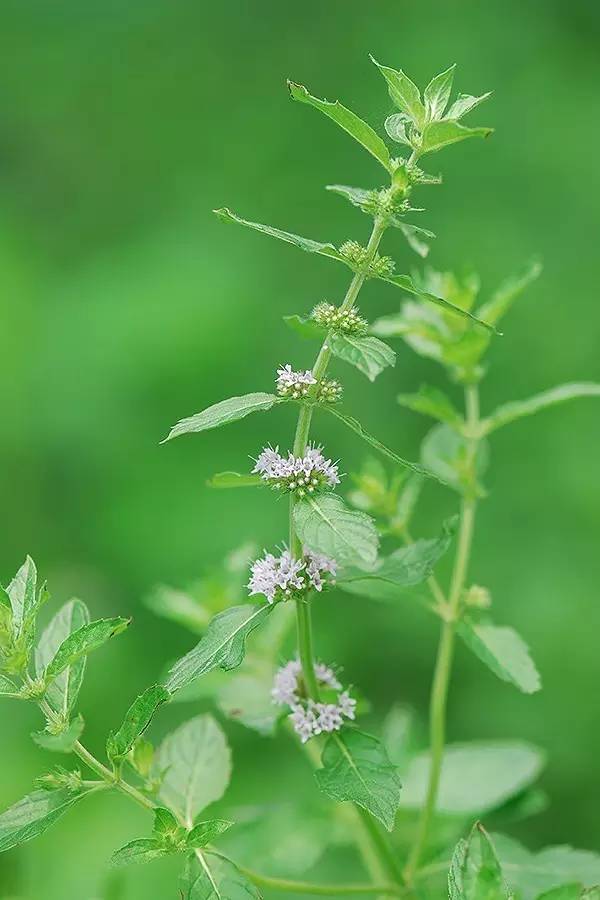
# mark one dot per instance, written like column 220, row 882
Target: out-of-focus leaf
column 326, row 525
column 437, row 93
column 32, row 815
column 226, row 480
column 137, row 718
column 565, row 892
column 475, row 872
column 397, row 735
column 210, row 877
column 346, row 119
column 446, row 453
column 62, row 692
column 518, row 409
column 195, row 762
column 356, row 767
column 432, row 402
column 503, row 298
column 223, row 413
column 406, row 284
column 368, row 354
column 503, row 651
column 530, row 874
column 64, row 741
column 306, row 328
column 441, row 134
column 404, row 93
column 83, row 641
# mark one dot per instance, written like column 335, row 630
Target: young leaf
column 357, row 196
column 141, row 851
column 530, row 874
column 347, row 120
column 64, row 741
column 81, row 642
column 402, row 569
column 437, row 93
column 503, row 651
column 404, row 93
column 509, row 412
column 306, row 328
column 137, row 718
column 504, row 297
column 476, row 777
column 165, row 823
column 432, row 402
column 205, row 832
column 210, row 877
column 356, row 767
column 357, row 428
column 368, row 354
column 223, row 645
column 226, row 480
column 475, row 873
column 62, row 692
column 395, row 127
column 196, row 765
column 414, row 235
column 406, row 284
column 464, row 103
column 22, row 594
column 32, row 815
column 326, row 525
column 440, row 134
column 306, row 244
column 222, row 413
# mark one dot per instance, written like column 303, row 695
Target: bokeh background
column 126, row 305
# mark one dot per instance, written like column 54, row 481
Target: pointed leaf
column 137, row 718
column 406, row 283
column 518, row 409
column 22, row 594
column 368, row 354
column 504, row 297
column 210, row 877
column 464, row 104
column 306, row 328
column 530, row 874
column 223, row 413
column 432, row 402
column 414, row 236
column 396, row 128
column 347, row 120
column 226, row 480
column 404, row 93
column 223, row 645
column 441, row 134
column 503, row 651
column 437, row 93
column 32, row 815
column 326, row 525
column 356, row 767
column 196, row 763
column 475, row 872
column 306, row 244
column 141, row 851
column 81, row 642
column 205, row 832
column 63, row 691
column 62, row 742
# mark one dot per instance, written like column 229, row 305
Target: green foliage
column 62, row 692
column 226, row 480
column 63, row 741
column 368, row 354
column 446, row 453
column 327, row 525
column 509, row 412
column 475, row 873
column 204, row 833
column 138, row 717
column 222, row 413
column 531, row 874
column 211, row 877
column 503, row 651
column 81, row 642
column 432, row 402
column 32, row 815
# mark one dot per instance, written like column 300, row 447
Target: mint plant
column 413, row 813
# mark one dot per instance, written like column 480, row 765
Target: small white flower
column 275, row 576
column 308, row 717
column 293, row 384
column 296, row 472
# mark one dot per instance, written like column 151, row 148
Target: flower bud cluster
column 345, row 321
column 294, row 385
column 329, row 391
column 309, row 717
column 358, row 256
column 301, row 475
column 284, row 578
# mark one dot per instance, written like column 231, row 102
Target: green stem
column 321, row 890
column 443, row 665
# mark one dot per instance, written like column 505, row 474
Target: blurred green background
column 125, row 305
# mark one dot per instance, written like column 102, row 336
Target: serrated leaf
column 530, row 874
column 430, row 401
column 504, row 651
column 62, row 692
column 357, row 768
column 402, row 569
column 62, row 742
column 437, row 93
column 137, row 719
column 349, row 121
column 475, row 777
column 368, row 354
column 326, row 525
column 196, row 762
column 357, row 428
column 437, row 135
column 205, row 832
column 464, row 103
column 503, row 298
column 210, row 877
column 223, row 645
column 32, row 815
column 306, row 244
column 475, row 872
column 227, row 480
column 306, row 328
column 404, row 93
column 22, row 594
column 446, row 453
column 83, row 641
column 406, row 284
column 143, row 850
column 518, row 409
column 223, row 413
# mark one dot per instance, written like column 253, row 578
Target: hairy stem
column 443, row 665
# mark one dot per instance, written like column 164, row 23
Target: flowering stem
column 443, row 666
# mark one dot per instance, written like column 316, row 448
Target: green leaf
column 32, row 815
column 166, row 825
column 205, row 832
column 446, row 453
column 357, row 196
column 414, row 235
column 211, row 877
column 368, row 354
column 7, row 686
column 509, row 412
column 432, row 402
column 141, row 851
column 356, row 767
column 357, row 428
column 245, row 696
column 406, row 284
column 347, row 120
column 326, row 525
column 503, row 298
column 62, row 692
column 223, row 645
column 306, row 244
column 503, row 651
column 475, row 777
column 530, row 874
column 437, row 93
column 223, row 413
column 475, row 873
column 402, row 569
column 226, row 480
column 81, row 642
column 22, row 594
column 464, row 103
column 306, row 328
column 404, row 93
column 196, row 763
column 565, row 892
column 137, row 718
column 441, row 134
column 395, row 126
column 62, row 742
